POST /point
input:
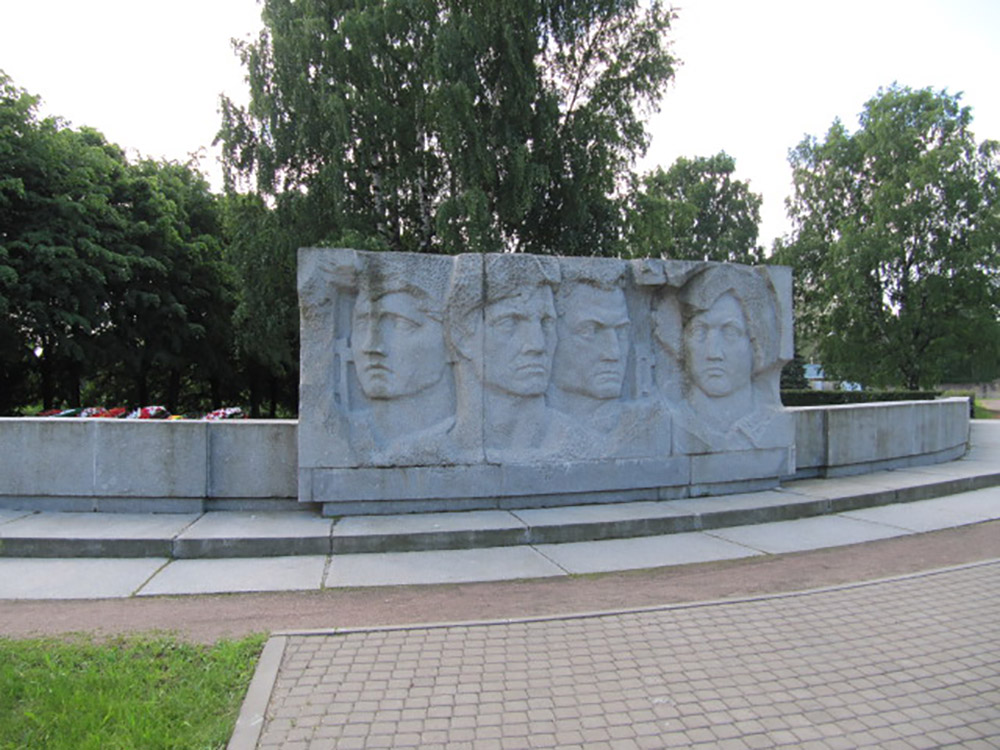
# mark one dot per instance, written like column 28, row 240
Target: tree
column 695, row 211
column 58, row 240
column 895, row 241
column 170, row 313
column 793, row 375
column 109, row 271
column 449, row 125
column 266, row 317
column 17, row 109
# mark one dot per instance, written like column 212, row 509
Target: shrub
column 810, row 397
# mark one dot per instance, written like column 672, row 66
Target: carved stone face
column 593, row 342
column 717, row 348
column 519, row 343
column 398, row 350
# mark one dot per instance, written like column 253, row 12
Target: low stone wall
column 835, row 441
column 179, row 467
column 151, row 466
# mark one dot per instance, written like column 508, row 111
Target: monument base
column 423, row 489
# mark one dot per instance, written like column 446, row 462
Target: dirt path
column 208, row 618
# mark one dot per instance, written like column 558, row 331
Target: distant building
column 818, row 382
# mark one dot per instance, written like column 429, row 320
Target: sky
column 756, row 76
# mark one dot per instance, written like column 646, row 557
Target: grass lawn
column 981, row 412
column 135, row 693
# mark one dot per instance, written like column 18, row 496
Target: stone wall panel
column 497, row 377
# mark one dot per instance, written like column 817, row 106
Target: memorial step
column 228, row 534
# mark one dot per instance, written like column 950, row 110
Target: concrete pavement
column 836, row 512
column 90, row 578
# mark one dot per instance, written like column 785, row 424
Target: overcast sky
column 757, row 75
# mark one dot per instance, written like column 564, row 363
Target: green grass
column 981, row 412
column 135, row 693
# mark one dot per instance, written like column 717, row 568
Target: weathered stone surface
column 860, row 438
column 54, row 455
column 160, row 463
column 482, row 379
column 67, row 464
column 252, row 459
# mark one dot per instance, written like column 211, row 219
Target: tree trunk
column 215, row 391
column 252, row 379
column 47, row 386
column 141, row 382
column 273, row 394
column 72, row 385
column 173, row 390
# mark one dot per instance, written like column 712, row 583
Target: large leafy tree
column 17, row 115
column 60, row 240
column 449, row 125
column 896, row 240
column 112, row 278
column 695, row 210
column 265, row 322
column 170, row 314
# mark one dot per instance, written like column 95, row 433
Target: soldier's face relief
column 520, row 340
column 593, row 343
column 398, row 350
column 717, row 348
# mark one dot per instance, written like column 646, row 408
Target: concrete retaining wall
column 833, row 441
column 171, row 467
column 152, row 466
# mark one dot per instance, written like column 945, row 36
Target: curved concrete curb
column 254, row 709
column 632, row 610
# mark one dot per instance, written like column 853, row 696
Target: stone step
column 232, row 534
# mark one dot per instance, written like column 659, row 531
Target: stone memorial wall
column 481, row 381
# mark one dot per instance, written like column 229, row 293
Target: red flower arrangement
column 145, row 412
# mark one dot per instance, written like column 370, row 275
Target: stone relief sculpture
column 502, row 328
column 593, row 349
column 593, row 338
column 433, row 363
column 397, row 347
column 730, row 356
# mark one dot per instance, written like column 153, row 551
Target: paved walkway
column 906, row 663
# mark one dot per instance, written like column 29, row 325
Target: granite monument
column 513, row 380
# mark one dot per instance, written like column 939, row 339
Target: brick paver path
column 909, row 663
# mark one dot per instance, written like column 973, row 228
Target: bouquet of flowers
column 229, row 412
column 145, row 412
column 149, row 412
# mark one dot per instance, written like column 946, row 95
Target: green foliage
column 266, row 320
column 151, row 692
column 979, row 363
column 112, row 275
column 793, row 375
column 171, row 315
column 59, row 238
column 895, row 244
column 976, row 409
column 695, row 211
column 448, row 125
column 809, row 397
